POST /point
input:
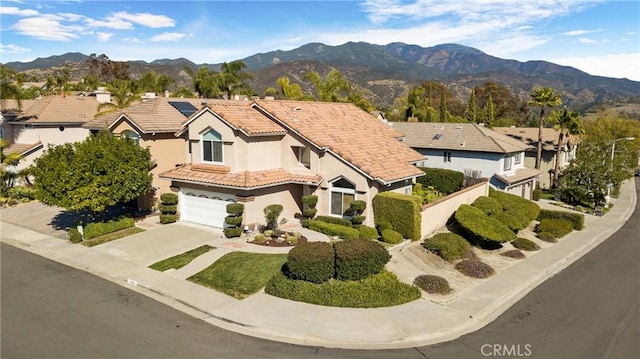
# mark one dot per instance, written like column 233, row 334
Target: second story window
column 518, row 158
column 212, row 147
column 507, row 163
column 303, row 155
column 131, row 134
column 447, row 156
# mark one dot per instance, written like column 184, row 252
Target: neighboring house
column 273, row 152
column 529, row 137
column 51, row 120
column 474, row 150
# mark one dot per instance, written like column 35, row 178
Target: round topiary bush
column 480, row 227
column 391, row 236
column 513, row 253
column 168, row 208
column 235, row 208
column 167, row 218
column 382, row 225
column 359, row 258
column 525, row 244
column 312, row 262
column 169, row 198
column 475, row 268
column 557, row 228
column 448, row 246
column 367, row 232
column 432, row 284
column 233, row 221
column 232, row 232
column 487, row 205
column 310, row 200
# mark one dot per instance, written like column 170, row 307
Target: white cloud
column 580, row 32
column 585, row 40
column 103, row 36
column 146, row 19
column 110, row 22
column 133, row 40
column 10, row 10
column 47, row 27
column 625, row 65
column 13, row 49
column 168, row 36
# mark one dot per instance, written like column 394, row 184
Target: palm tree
column 330, row 87
column 232, row 78
column 568, row 124
column 543, row 97
column 10, row 159
column 121, row 97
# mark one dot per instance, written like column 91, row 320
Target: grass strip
column 180, row 260
column 111, row 236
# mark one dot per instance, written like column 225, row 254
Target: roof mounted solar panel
column 186, row 108
column 437, row 136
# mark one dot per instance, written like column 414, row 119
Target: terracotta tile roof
column 244, row 117
column 456, row 136
column 529, row 136
column 244, row 180
column 22, row 148
column 70, row 109
column 352, row 134
column 521, row 174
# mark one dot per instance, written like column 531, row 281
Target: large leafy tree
column 568, row 124
column 543, row 97
column 94, row 174
column 8, row 87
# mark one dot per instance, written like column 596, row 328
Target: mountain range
column 388, row 71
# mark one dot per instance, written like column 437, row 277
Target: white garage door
column 206, row 208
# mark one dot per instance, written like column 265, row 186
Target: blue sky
column 596, row 36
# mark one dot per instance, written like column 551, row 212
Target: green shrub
column 479, row 227
column 232, row 232
column 525, row 244
column 404, row 212
column 359, row 258
column 367, row 232
column 576, row 219
column 382, row 225
column 168, row 208
column 358, row 206
column 522, row 218
column 235, row 208
column 537, row 193
column 271, row 214
column 475, row 268
column 357, row 220
column 391, row 236
column 169, row 198
column 334, row 220
column 74, row 235
column 547, row 237
column 442, row 180
column 233, row 221
column 309, row 212
column 513, row 253
column 312, row 262
column 310, row 200
column 510, row 221
column 259, row 238
column 557, row 228
column 488, row 205
column 448, row 246
column 21, row 192
column 432, row 284
column 96, row 229
column 168, row 218
column 379, row 290
column 331, row 229
column 518, row 204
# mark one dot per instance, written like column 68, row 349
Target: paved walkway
column 418, row 323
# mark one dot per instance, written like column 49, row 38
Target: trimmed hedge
column 576, row 219
column 169, row 198
column 448, row 246
column 475, row 268
column 359, row 258
column 357, row 220
column 480, row 227
column 510, row 221
column 442, row 180
column 525, row 244
column 432, row 284
column 168, row 208
column 233, row 221
column 557, row 228
column 235, row 208
column 331, row 229
column 367, row 232
column 392, row 237
column 96, row 229
column 382, row 225
column 310, row 200
column 334, row 220
column 488, row 205
column 232, row 232
column 515, row 203
column 537, row 193
column 379, row 290
column 309, row 212
column 312, row 262
column 403, row 212
column 74, row 235
column 168, row 218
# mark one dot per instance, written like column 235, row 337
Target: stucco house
column 474, row 150
column 529, row 137
column 273, row 152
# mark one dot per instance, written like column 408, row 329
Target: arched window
column 212, row 147
column 343, row 193
column 131, row 134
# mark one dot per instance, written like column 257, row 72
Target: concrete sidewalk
column 417, row 323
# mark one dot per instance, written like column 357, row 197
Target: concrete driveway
column 52, row 221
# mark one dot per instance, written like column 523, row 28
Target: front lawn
column 181, row 260
column 240, row 274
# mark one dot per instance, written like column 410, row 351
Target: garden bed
column 283, row 240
